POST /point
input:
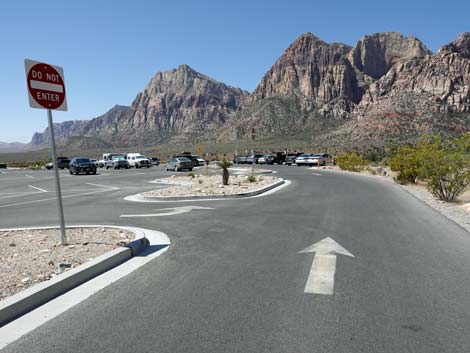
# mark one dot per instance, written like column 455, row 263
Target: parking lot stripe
column 29, row 176
column 53, row 198
column 34, row 187
column 103, row 186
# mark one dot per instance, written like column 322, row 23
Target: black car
column 62, row 163
column 155, row 161
column 82, row 165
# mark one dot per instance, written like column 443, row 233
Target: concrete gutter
column 39, row 294
column 142, row 198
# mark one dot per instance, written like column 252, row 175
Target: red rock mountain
column 387, row 87
column 176, row 105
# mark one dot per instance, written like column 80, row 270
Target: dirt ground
column 28, row 257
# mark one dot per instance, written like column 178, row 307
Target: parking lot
column 30, row 194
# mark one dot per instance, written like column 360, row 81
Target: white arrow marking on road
column 321, row 279
column 170, row 211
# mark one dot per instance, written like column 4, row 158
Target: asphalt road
column 233, row 280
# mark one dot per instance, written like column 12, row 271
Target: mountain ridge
column 384, row 82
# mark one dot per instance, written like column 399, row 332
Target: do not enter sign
column 46, row 87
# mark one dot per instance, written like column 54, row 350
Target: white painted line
column 46, row 86
column 104, row 186
column 317, row 174
column 28, row 322
column 29, row 176
column 39, row 189
column 321, row 278
column 52, row 198
column 171, row 211
column 20, row 194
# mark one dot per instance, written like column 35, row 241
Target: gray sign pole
column 63, row 239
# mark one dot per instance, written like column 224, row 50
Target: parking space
column 22, row 187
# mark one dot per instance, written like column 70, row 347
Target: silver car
column 179, row 163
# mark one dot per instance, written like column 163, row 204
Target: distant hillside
column 7, row 147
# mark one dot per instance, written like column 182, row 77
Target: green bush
column 352, row 162
column 191, row 174
column 407, row 162
column 443, row 165
column 251, row 178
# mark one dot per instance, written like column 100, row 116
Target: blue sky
column 110, row 49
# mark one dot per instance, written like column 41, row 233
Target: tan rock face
column 184, row 102
column 439, row 84
column 386, row 85
column 315, row 71
column 179, row 104
column 375, row 54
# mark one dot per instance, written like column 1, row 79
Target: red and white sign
column 46, row 87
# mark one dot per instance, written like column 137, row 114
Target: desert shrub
column 251, row 178
column 352, row 162
column 224, row 164
column 406, row 162
column 445, row 167
column 191, row 175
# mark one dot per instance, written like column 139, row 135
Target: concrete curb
column 39, row 294
column 140, row 197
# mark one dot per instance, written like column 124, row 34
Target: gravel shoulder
column 28, row 257
column 208, row 185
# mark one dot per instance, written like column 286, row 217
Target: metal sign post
column 63, row 239
column 253, row 136
column 46, row 90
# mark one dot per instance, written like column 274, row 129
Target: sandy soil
column 208, row 185
column 28, row 257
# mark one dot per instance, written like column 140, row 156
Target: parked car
column 201, row 161
column 240, row 159
column 253, row 158
column 94, row 161
column 82, row 165
column 291, row 157
column 138, row 161
column 267, row 159
column 101, row 163
column 117, row 162
column 304, row 159
column 62, row 163
column 179, row 163
column 155, row 160
column 188, row 155
column 320, row 159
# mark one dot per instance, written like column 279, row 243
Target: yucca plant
column 225, row 164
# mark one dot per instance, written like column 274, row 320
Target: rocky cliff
column 387, row 87
column 176, row 105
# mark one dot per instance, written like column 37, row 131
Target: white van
column 137, row 160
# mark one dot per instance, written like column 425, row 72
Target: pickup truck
column 117, row 162
column 62, row 163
